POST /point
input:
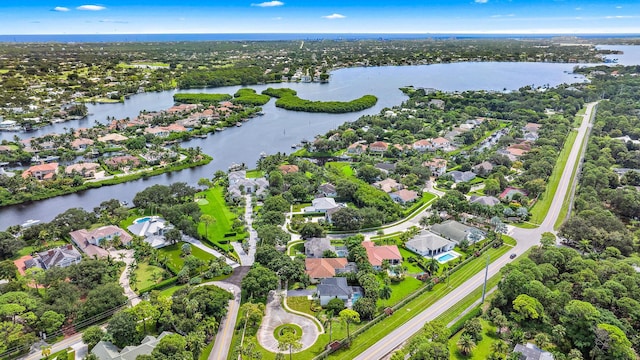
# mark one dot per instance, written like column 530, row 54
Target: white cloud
column 269, row 3
column 578, row 8
column 334, row 16
column 61, row 9
column 618, row 7
column 113, row 21
column 620, row 17
column 90, row 7
column 277, row 18
column 481, row 1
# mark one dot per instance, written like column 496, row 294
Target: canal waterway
column 278, row 129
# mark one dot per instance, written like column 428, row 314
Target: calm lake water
column 278, row 129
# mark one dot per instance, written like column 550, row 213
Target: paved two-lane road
column 526, row 238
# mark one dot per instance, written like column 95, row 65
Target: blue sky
column 299, row 16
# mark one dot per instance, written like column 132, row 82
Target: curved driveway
column 526, row 238
column 276, row 316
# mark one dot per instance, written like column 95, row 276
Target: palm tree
column 432, row 266
column 385, row 292
column 584, row 246
column 466, row 344
column 289, row 341
column 207, row 220
column 500, row 347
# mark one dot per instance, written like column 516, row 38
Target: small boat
column 30, row 222
column 238, row 124
column 263, row 155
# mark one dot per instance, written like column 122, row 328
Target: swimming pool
column 445, row 258
column 144, row 219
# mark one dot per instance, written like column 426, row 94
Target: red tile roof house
column 378, row 146
column 119, row 161
column 87, row 170
column 324, row 267
column 377, row 254
column 440, row 143
column 423, row 145
column 288, row 169
column 89, row 241
column 41, row 172
column 164, row 131
column 356, row 149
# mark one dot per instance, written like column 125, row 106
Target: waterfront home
column 90, row 241
column 356, row 148
column 113, row 139
column 164, row 131
column 63, row 256
column 122, row 161
column 240, row 185
column 378, row 147
column 404, row 196
column 152, row 229
column 378, row 254
column 41, row 172
column 81, row 143
column 87, row 170
column 427, row 243
column 388, row 185
column 437, row 166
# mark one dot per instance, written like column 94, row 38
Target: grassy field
column 218, row 208
column 301, row 303
column 483, row 348
column 174, row 252
column 145, row 274
column 400, row 291
column 412, row 268
column 540, row 209
column 300, row 206
column 342, row 166
column 252, row 174
column 384, row 327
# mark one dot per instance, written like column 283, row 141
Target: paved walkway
column 247, row 258
column 197, row 243
column 127, row 257
column 276, row 316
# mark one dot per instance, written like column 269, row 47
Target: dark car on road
column 512, row 256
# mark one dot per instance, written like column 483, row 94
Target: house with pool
column 92, row 242
column 429, row 244
column 152, row 229
column 455, row 231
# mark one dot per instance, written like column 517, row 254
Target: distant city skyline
column 299, row 16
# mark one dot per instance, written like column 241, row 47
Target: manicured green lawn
column 218, row 208
column 302, row 304
column 509, row 240
column 412, row 268
column 541, row 208
column 252, row 174
column 483, row 348
column 145, row 274
column 400, row 291
column 384, row 327
column 174, row 252
column 343, row 166
column 300, row 206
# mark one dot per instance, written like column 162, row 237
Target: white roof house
column 429, row 244
column 322, row 204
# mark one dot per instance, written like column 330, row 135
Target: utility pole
column 486, row 274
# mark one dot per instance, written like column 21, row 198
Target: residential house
column 81, row 143
column 105, row 350
column 437, row 166
column 427, row 243
column 423, row 145
column 322, row 204
column 436, row 103
column 328, row 215
column 122, row 161
column 90, row 241
column 532, row 352
column 152, row 230
column 378, row 147
column 404, row 196
column 326, row 267
column 41, row 172
column 378, row 254
column 327, row 190
column 509, row 192
column 532, row 128
column 461, row 176
column 315, row 247
column 288, row 169
column 484, row 200
column 457, row 232
column 240, row 185
column 385, row 167
column 87, row 170
column 113, row 138
column 63, row 256
column 483, row 169
column 441, row 143
column 356, row 148
column 334, row 288
column 388, row 185
column 164, row 131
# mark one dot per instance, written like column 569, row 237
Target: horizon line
column 335, row 33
